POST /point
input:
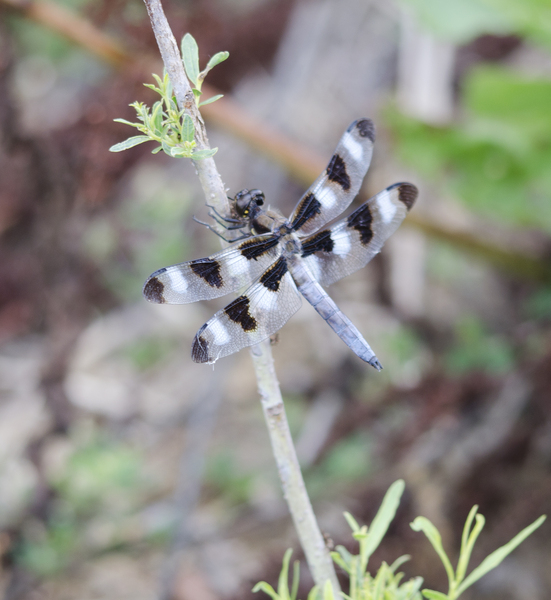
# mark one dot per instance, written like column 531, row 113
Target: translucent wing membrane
column 214, row 276
column 350, row 244
column 261, row 311
column 337, row 186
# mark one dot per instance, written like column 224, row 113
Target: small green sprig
column 387, row 583
column 164, row 123
column 190, row 56
column 474, row 524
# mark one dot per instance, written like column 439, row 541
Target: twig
column 294, row 489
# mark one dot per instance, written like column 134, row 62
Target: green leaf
column 125, row 122
column 496, row 557
column 216, row 60
column 166, row 148
column 343, row 558
column 197, row 93
column 424, row 525
column 340, row 562
column 382, row 519
column 468, row 540
column 262, row 586
column 351, row 522
column 212, row 99
column 283, row 582
column 314, row 593
column 156, row 150
column 188, row 130
column 190, row 56
column 129, row 143
column 432, row 595
column 296, row 578
column 200, row 154
column 328, row 591
column 399, row 562
column 179, row 152
column 157, row 116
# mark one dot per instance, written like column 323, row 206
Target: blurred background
column 113, row 484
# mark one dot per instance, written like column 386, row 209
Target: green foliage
column 99, row 477
column 463, row 20
column 164, row 123
column 387, row 583
column 476, row 350
column 457, row 581
column 495, row 161
column 224, row 476
column 190, row 55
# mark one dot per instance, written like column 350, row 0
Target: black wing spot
column 273, row 276
column 238, row 312
column 365, row 128
column 200, row 347
column 361, row 221
column 209, row 270
column 153, row 290
column 336, row 171
column 253, row 249
column 321, row 242
column 407, row 193
column 308, row 208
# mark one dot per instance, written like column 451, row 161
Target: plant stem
column 294, row 490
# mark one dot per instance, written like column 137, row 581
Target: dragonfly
column 277, row 261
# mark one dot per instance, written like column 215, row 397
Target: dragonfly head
column 247, row 202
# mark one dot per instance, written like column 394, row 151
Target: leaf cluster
column 387, row 584
column 164, row 122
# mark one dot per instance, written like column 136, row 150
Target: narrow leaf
column 156, row 150
column 188, row 130
column 125, row 122
column 129, row 143
column 157, row 116
column 314, row 593
column 351, row 521
column 399, row 562
column 340, row 562
column 190, row 56
column 262, row 586
column 496, row 557
column 283, row 582
column 380, row 581
column 413, row 587
column 432, row 595
column 344, row 556
column 212, row 99
column 433, row 535
column 383, row 518
column 296, row 578
column 200, row 154
column 466, row 550
column 216, row 60
column 328, row 591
